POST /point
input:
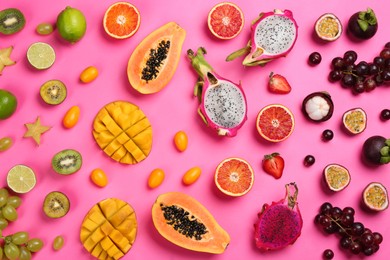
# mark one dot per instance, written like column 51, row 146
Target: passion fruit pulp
column 328, row 27
column 337, row 177
column 355, row 120
column 375, row 197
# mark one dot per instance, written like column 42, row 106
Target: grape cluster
column 18, row 245
column 363, row 76
column 353, row 235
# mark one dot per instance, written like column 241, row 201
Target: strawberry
column 278, row 84
column 273, row 164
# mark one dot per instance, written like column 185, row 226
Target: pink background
column 174, row 109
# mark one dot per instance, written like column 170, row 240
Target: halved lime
column 21, row 179
column 41, row 55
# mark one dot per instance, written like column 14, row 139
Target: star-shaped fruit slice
column 5, row 60
column 35, row 130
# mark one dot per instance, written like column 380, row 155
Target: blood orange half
column 225, row 20
column 275, row 123
column 234, row 177
column 121, row 20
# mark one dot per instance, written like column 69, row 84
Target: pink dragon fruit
column 280, row 223
column 222, row 103
column 273, row 36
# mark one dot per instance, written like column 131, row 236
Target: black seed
column 156, row 58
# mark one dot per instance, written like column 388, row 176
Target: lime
column 71, row 24
column 8, row 104
column 41, row 55
column 21, row 179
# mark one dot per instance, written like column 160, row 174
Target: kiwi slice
column 53, row 92
column 11, row 21
column 56, row 204
column 67, row 162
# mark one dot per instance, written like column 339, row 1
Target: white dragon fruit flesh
column 280, row 223
column 223, row 105
column 273, row 36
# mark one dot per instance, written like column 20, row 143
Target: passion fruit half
column 328, row 27
column 375, row 197
column 337, row 177
column 318, row 106
column 355, row 120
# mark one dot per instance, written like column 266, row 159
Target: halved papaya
column 154, row 61
column 184, row 221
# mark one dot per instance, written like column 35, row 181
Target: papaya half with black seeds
column 184, row 221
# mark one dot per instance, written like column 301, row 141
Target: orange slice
column 234, row 177
column 275, row 123
column 121, row 20
column 225, row 20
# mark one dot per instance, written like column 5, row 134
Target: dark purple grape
column 356, row 248
column 349, row 211
column 375, row 247
column 328, row 254
column 325, row 221
column 318, row 218
column 378, row 238
column 335, row 75
column 367, row 239
column 386, row 64
column 367, row 251
column 378, row 80
column 379, row 61
column 331, row 229
column 348, row 81
column 373, row 69
column 338, row 63
column 386, row 75
column 387, row 45
column 325, row 208
column 315, row 58
column 350, row 68
column 347, row 220
column 327, row 135
column 357, row 229
column 350, row 57
column 336, row 213
column 358, row 88
column 346, row 242
column 309, row 160
column 385, row 53
column 361, row 68
column 369, row 85
column 385, row 114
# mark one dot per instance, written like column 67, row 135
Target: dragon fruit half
column 222, row 103
column 273, row 36
column 280, row 223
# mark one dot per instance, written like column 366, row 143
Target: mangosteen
column 318, row 106
column 376, row 150
column 363, row 25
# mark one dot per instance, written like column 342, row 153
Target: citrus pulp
column 21, row 179
column 121, row 20
column 41, row 55
column 225, row 20
column 234, row 177
column 275, row 123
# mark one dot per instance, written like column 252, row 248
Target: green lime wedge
column 41, row 55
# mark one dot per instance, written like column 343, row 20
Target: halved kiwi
column 56, row 204
column 53, row 92
column 11, row 21
column 67, row 162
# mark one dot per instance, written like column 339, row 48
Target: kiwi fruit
column 11, row 21
column 56, row 204
column 53, row 92
column 66, row 162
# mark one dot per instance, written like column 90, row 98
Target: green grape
column 9, row 213
column 58, row 243
column 1, row 252
column 25, row 254
column 11, row 251
column 3, row 197
column 20, row 238
column 44, row 28
column 3, row 224
column 14, row 201
column 34, row 245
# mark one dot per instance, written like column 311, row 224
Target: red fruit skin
column 278, row 84
column 273, row 164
